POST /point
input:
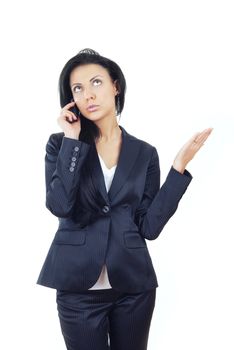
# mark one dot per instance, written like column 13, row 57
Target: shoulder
column 145, row 145
column 56, row 137
column 149, row 153
column 54, row 141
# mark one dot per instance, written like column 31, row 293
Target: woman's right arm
column 63, row 162
column 62, row 173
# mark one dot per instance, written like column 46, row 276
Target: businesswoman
column 103, row 184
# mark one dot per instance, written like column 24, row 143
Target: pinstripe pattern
column 134, row 209
column 105, row 319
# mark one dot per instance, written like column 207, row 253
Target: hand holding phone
column 69, row 121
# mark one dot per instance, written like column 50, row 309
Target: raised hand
column 69, row 122
column 190, row 148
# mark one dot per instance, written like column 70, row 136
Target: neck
column 109, row 131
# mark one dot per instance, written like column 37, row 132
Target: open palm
column 190, row 148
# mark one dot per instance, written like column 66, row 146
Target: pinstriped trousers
column 104, row 319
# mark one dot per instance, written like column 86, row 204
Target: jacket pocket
column 72, row 237
column 132, row 239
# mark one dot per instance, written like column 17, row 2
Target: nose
column 88, row 93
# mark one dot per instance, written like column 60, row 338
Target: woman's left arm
column 151, row 218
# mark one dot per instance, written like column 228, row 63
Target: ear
column 116, row 87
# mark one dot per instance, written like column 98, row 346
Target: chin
column 95, row 116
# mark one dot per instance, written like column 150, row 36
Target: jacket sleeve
column 62, row 173
column 159, row 204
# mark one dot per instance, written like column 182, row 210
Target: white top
column 103, row 281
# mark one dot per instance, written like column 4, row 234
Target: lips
column 92, row 108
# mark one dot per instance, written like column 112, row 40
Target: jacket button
column 76, row 148
column 105, row 209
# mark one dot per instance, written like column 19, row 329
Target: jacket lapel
column 128, row 156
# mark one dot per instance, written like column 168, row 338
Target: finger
column 68, row 115
column 194, row 137
column 205, row 132
column 66, row 110
column 69, row 104
column 72, row 117
column 203, row 136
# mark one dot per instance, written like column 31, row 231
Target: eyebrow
column 89, row 80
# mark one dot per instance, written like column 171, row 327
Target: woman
column 103, row 184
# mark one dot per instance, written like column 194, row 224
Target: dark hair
column 89, row 130
column 89, row 200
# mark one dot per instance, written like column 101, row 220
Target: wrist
column 179, row 167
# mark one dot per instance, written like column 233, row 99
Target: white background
column 177, row 57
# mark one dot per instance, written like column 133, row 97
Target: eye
column 97, row 80
column 76, row 88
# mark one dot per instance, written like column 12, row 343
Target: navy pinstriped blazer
column 134, row 209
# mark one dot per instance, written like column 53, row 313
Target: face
column 91, row 84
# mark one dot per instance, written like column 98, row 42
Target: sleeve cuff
column 179, row 180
